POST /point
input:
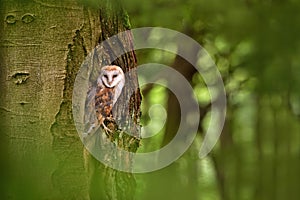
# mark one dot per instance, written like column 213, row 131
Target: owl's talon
column 105, row 128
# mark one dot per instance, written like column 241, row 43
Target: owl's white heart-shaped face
column 111, row 76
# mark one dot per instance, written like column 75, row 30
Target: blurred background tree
column 255, row 45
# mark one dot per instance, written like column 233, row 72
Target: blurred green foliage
column 255, row 44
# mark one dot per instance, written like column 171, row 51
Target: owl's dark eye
column 115, row 76
column 105, row 76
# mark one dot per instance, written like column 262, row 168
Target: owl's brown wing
column 90, row 118
column 104, row 103
column 98, row 107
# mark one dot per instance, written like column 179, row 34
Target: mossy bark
column 43, row 45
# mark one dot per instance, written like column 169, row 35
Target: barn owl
column 102, row 98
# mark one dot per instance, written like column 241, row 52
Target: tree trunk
column 42, row 48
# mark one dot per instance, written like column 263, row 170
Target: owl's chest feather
column 104, row 101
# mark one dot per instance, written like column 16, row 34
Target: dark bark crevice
column 105, row 182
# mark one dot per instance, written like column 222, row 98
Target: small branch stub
column 20, row 77
column 11, row 19
column 28, row 18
